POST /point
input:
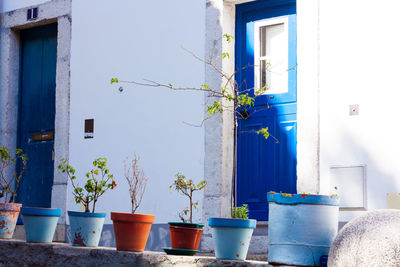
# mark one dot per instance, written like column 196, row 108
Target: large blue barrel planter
column 40, row 223
column 86, row 228
column 301, row 228
column 231, row 237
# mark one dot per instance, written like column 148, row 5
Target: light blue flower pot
column 231, row 237
column 40, row 223
column 86, row 228
column 301, row 228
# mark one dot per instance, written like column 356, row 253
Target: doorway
column 36, row 122
column 266, row 50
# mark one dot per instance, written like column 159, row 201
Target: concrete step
column 19, row 253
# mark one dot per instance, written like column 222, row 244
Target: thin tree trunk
column 234, row 168
column 191, row 203
column 235, row 132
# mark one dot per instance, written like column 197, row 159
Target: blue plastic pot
column 40, row 223
column 231, row 237
column 86, row 228
column 301, row 228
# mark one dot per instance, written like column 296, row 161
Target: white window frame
column 257, row 81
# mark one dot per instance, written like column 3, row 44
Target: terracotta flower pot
column 131, row 230
column 8, row 219
column 185, row 235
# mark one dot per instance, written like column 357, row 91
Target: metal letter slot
column 36, row 137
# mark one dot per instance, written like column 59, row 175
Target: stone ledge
column 19, row 253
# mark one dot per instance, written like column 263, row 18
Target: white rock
column 372, row 239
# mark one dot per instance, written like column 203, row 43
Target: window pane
column 262, row 41
column 272, row 57
column 263, row 73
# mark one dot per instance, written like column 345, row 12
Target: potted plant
column 131, row 229
column 86, row 226
column 232, row 236
column 185, row 235
column 9, row 211
column 301, row 227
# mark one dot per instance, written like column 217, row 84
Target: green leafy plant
column 187, row 187
column 137, row 181
column 7, row 159
column 98, row 181
column 240, row 212
column 228, row 97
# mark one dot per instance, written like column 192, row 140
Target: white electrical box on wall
column 349, row 183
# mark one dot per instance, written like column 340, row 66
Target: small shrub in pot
column 131, row 229
column 86, row 226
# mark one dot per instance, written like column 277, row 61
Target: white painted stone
column 259, row 244
column 19, row 253
column 54, row 11
column 308, row 96
column 58, row 200
column 207, row 243
column 61, row 140
column 372, row 239
column 47, row 13
column 6, row 6
column 9, row 84
column 218, row 129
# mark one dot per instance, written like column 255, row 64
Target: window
column 271, row 55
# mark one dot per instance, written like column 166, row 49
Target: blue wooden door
column 37, row 113
column 263, row 30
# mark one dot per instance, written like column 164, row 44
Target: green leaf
column 225, row 55
column 240, row 212
column 214, row 108
column 245, row 100
column 264, row 132
column 261, row 90
column 228, row 37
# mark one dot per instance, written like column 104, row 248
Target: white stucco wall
column 133, row 40
column 359, row 56
column 351, row 60
column 7, row 5
column 347, row 57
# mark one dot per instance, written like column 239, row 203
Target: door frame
column 12, row 23
column 220, row 19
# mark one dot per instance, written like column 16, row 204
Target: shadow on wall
column 379, row 180
column 159, row 237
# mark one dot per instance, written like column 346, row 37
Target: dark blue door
column 37, row 113
column 266, row 50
